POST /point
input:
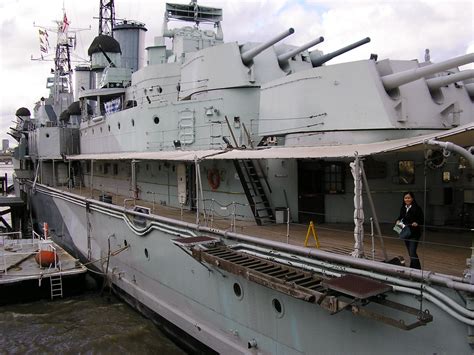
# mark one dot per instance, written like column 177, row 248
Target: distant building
column 5, row 144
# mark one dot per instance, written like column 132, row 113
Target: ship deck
column 17, row 260
column 442, row 250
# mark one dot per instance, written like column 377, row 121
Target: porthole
column 146, row 253
column 125, row 243
column 278, row 307
column 47, row 135
column 118, row 125
column 159, row 89
column 156, row 119
column 238, row 292
column 133, row 122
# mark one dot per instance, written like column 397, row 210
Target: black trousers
column 412, row 245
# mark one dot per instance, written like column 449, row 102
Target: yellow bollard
column 315, row 235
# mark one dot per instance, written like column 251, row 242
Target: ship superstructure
column 160, row 157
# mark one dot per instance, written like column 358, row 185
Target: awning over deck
column 177, row 155
column 462, row 136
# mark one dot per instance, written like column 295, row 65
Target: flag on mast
column 65, row 23
column 44, row 41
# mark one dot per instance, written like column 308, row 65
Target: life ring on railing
column 213, row 178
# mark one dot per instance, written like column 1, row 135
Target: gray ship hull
column 200, row 300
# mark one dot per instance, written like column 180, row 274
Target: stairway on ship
column 254, row 191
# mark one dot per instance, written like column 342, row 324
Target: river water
column 86, row 324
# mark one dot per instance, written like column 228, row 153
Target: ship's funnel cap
column 108, row 44
column 22, row 112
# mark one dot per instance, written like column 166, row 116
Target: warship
column 188, row 174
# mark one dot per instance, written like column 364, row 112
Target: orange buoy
column 45, row 258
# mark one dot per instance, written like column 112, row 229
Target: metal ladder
column 56, row 282
column 254, row 191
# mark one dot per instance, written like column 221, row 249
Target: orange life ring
column 213, row 178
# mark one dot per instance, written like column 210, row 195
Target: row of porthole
column 156, row 120
column 276, row 304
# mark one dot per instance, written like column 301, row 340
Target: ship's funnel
column 253, row 52
column 282, row 58
column 393, row 81
column 317, row 61
column 436, row 83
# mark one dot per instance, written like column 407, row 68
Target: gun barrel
column 436, row 83
column 393, row 81
column 253, row 52
column 282, row 58
column 318, row 61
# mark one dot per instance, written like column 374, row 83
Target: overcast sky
column 399, row 29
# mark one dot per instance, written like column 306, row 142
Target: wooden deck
column 440, row 250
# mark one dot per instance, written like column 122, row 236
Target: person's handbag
column 398, row 227
column 403, row 231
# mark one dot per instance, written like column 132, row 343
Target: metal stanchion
column 232, row 225
column 372, row 236
column 288, row 225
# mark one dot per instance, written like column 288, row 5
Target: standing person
column 411, row 215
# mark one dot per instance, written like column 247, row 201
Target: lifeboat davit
column 45, row 258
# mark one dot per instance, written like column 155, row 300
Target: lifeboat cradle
column 349, row 292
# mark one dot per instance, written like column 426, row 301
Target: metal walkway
column 349, row 292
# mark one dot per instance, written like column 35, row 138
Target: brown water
column 88, row 324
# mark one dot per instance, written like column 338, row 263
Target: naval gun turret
column 399, row 97
column 318, row 60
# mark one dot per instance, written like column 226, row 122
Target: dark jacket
column 415, row 214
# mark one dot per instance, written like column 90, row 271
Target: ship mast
column 60, row 85
column 62, row 60
column 106, row 17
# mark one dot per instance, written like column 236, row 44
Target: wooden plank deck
column 441, row 250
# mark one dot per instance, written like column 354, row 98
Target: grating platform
column 330, row 294
column 191, row 241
